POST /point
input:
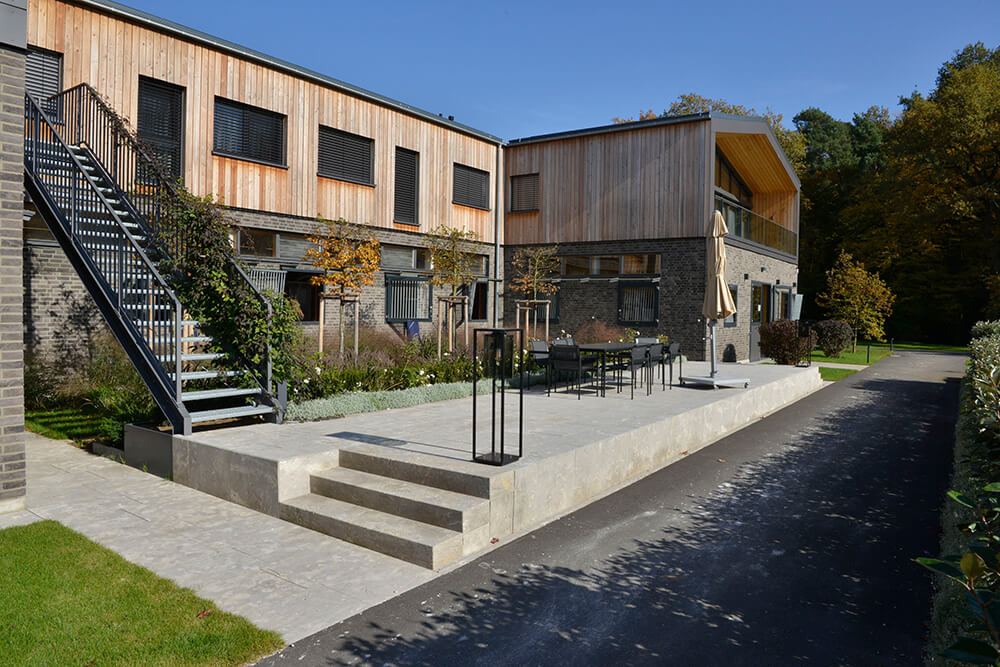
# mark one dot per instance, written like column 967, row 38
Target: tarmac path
column 790, row 541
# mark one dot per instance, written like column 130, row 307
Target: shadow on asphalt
column 803, row 556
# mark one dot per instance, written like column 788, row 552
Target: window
column 407, row 299
column 760, row 303
column 43, row 77
column 299, row 288
column 576, row 266
column 249, row 133
column 471, row 187
column 638, row 303
column 402, row 257
column 478, row 300
column 609, row 265
column 731, row 320
column 407, row 187
column 257, row 242
column 524, row 193
column 345, row 156
column 553, row 300
column 640, row 264
column 161, row 124
column 783, row 303
column 727, row 179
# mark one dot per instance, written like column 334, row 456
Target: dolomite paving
column 296, row 581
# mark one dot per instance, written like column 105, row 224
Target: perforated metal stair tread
column 195, row 356
column 446, row 509
column 206, row 375
column 413, row 541
column 230, row 413
column 219, row 393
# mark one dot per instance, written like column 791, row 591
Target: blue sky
column 516, row 69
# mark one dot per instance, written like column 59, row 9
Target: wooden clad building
column 629, row 207
column 277, row 143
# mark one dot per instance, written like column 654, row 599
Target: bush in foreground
column 780, row 340
column 833, row 337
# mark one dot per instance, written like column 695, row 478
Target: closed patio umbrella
column 718, row 299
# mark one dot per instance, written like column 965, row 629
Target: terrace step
column 206, row 375
column 446, row 509
column 416, row 467
column 413, row 541
column 219, row 393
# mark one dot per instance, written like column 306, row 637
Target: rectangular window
column 160, row 124
column 407, row 299
column 731, row 320
column 407, row 187
column 257, row 243
column 524, row 193
column 553, row 300
column 640, row 264
column 43, row 77
column 299, row 288
column 609, row 265
column 638, row 304
column 345, row 156
column 576, row 266
column 760, row 303
column 471, row 187
column 478, row 300
column 249, row 133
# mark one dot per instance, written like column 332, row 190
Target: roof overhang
column 750, row 145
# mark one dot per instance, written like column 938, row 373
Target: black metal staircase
column 103, row 198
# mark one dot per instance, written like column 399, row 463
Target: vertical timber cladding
column 12, row 54
column 111, row 51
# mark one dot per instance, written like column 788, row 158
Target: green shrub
column 982, row 328
column 833, row 336
column 780, row 341
column 42, row 383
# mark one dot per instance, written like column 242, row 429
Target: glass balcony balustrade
column 745, row 224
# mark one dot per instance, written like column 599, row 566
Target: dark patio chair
column 568, row 340
column 674, row 352
column 567, row 359
column 539, row 352
column 657, row 359
column 637, row 359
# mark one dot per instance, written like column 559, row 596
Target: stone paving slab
column 280, row 576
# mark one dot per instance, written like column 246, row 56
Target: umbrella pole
column 711, row 326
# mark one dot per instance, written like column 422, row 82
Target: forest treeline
column 915, row 196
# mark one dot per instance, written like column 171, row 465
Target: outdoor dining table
column 604, row 350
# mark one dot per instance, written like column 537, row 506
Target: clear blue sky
column 517, row 69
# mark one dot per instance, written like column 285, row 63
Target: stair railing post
column 177, row 353
column 121, row 272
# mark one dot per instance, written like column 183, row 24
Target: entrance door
column 161, row 123
column 760, row 312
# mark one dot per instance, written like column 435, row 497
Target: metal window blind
column 397, row 257
column 43, row 77
column 472, row 187
column 345, row 156
column 638, row 304
column 161, row 123
column 407, row 299
column 524, row 192
column 406, row 187
column 243, row 131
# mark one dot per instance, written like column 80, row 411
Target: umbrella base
column 715, row 382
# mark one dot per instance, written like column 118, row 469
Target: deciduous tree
column 857, row 297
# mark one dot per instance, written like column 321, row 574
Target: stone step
column 415, row 542
column 438, row 507
column 468, row 478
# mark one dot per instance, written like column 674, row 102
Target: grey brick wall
column 682, row 290
column 12, row 460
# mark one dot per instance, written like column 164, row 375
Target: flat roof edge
column 158, row 23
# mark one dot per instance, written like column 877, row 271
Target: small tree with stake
column 349, row 258
column 533, row 268
column 857, row 297
column 453, row 265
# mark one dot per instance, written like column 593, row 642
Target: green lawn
column 80, row 424
column 833, row 374
column 69, row 601
column 934, row 347
column 848, row 357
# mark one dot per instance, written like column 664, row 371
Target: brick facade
column 12, row 458
column 681, row 292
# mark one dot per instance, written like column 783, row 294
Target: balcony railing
column 745, row 224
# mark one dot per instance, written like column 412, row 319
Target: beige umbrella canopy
column 718, row 299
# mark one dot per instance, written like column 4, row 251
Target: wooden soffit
column 755, row 160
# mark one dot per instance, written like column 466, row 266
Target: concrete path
column 788, row 542
column 279, row 575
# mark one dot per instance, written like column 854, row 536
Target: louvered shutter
column 247, row 132
column 472, row 187
column 406, row 186
column 43, row 76
column 345, row 156
column 524, row 193
column 161, row 123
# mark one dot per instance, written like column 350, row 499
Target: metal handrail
column 136, row 160
column 745, row 224
column 34, row 110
